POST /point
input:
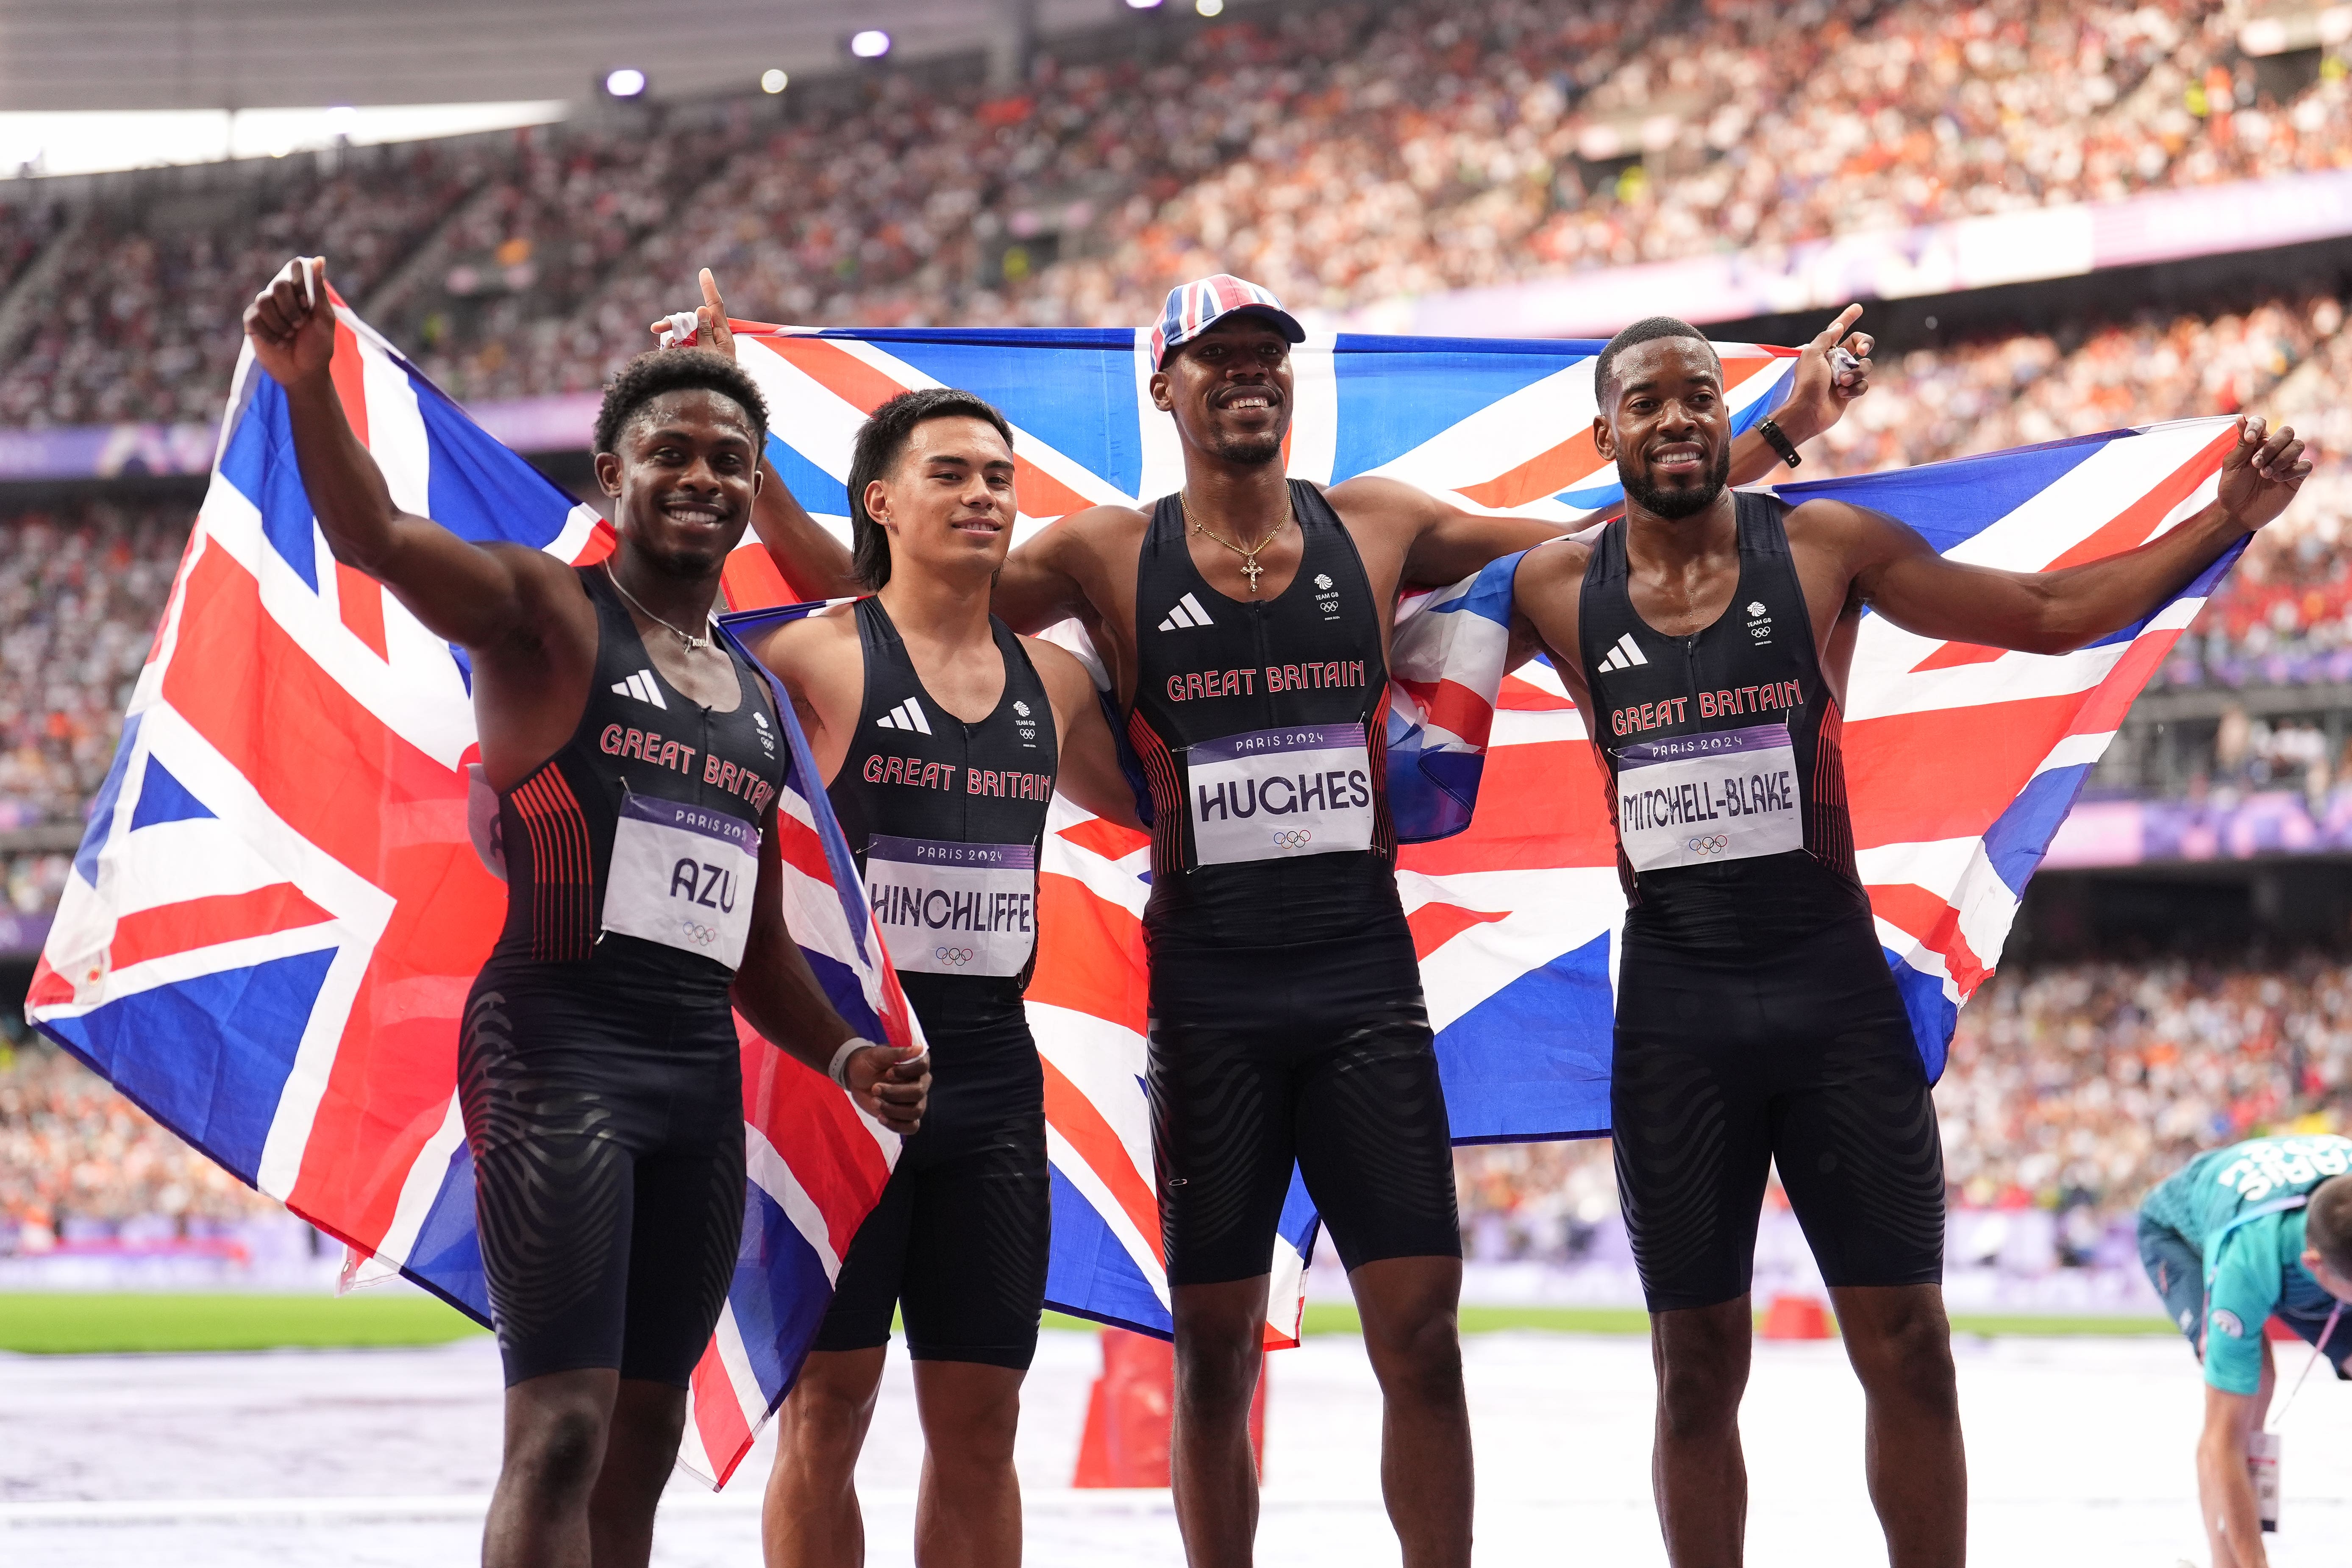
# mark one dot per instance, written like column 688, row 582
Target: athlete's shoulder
column 1550, row 569
column 1064, row 674
column 801, row 648
column 1375, row 500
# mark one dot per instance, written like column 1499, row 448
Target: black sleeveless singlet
column 1739, row 844
column 947, row 818
column 1262, row 730
column 687, row 786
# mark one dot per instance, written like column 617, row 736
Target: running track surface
column 2080, row 1454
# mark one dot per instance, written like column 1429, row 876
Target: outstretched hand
column 2260, row 477
column 890, row 1083
column 292, row 322
column 711, row 328
column 1832, row 372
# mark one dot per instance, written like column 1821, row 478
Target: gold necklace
column 1250, row 568
column 692, row 642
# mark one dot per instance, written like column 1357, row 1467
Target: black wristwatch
column 1778, row 439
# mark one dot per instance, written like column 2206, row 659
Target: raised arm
column 1087, row 769
column 1044, row 580
column 471, row 595
column 1898, row 575
column 776, row 992
column 813, row 561
column 1823, row 387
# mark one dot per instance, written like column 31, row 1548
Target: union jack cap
column 1194, row 308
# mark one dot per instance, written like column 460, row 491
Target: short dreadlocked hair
column 660, row 372
column 1648, row 329
column 881, row 442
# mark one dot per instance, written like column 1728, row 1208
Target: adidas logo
column 908, row 715
column 1624, row 656
column 641, row 686
column 1187, row 613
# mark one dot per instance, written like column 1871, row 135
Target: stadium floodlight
column 625, row 82
column 1143, row 5
column 1210, row 7
column 871, row 44
column 772, row 81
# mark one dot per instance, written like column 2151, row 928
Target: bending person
column 942, row 737
column 637, row 764
column 1707, row 637
column 2233, row 1238
column 1245, row 624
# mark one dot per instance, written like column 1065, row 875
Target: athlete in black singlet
column 637, row 766
column 1245, row 623
column 943, row 737
column 1707, row 639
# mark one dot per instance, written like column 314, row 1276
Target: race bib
column 1272, row 793
column 682, row 875
column 946, row 908
column 1694, row 800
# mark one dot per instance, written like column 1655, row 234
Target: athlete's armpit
column 1049, row 578
column 1086, row 768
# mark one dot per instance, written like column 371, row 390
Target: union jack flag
column 277, row 908
column 1962, row 761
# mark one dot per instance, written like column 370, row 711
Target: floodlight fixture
column 869, row 44
column 625, row 82
column 772, row 81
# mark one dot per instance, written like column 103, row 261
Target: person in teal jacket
column 2259, row 1230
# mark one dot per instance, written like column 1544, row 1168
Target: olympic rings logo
column 1714, row 846
column 697, row 934
column 1292, row 839
column 957, row 957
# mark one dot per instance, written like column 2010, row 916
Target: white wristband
column 839, row 1071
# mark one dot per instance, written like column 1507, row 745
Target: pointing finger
column 1838, row 329
column 711, row 294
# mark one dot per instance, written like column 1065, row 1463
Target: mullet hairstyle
column 881, row 442
column 659, row 372
column 1648, row 329
column 2328, row 1223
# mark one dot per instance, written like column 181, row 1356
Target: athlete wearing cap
column 1244, row 622
column 638, row 764
column 1706, row 637
column 2235, row 1237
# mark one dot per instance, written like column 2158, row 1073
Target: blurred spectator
column 81, row 589
column 79, row 1162
column 2074, row 1087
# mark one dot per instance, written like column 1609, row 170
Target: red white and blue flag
column 277, row 908
column 1961, row 762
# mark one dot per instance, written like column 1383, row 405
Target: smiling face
column 946, row 505
column 684, row 479
column 1229, row 390
column 1667, row 427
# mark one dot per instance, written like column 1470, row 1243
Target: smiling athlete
column 942, row 738
column 637, row 764
column 1245, row 625
column 1707, row 637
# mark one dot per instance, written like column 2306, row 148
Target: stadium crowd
column 1343, row 155
column 2075, row 1086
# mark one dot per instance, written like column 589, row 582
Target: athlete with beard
column 1245, row 624
column 637, row 762
column 1707, row 637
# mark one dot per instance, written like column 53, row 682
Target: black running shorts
column 1286, row 1058
column 605, row 1123
column 1801, row 1057
column 959, row 1241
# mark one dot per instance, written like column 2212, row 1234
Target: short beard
column 1675, row 505
column 1249, row 451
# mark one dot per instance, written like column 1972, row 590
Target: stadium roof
column 243, row 53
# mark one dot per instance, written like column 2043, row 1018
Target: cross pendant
column 1250, row 569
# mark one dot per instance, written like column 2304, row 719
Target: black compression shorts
column 605, row 1123
column 1801, row 1057
column 959, row 1240
column 1277, row 1057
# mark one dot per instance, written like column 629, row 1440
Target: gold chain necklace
column 1250, row 568
column 692, row 642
